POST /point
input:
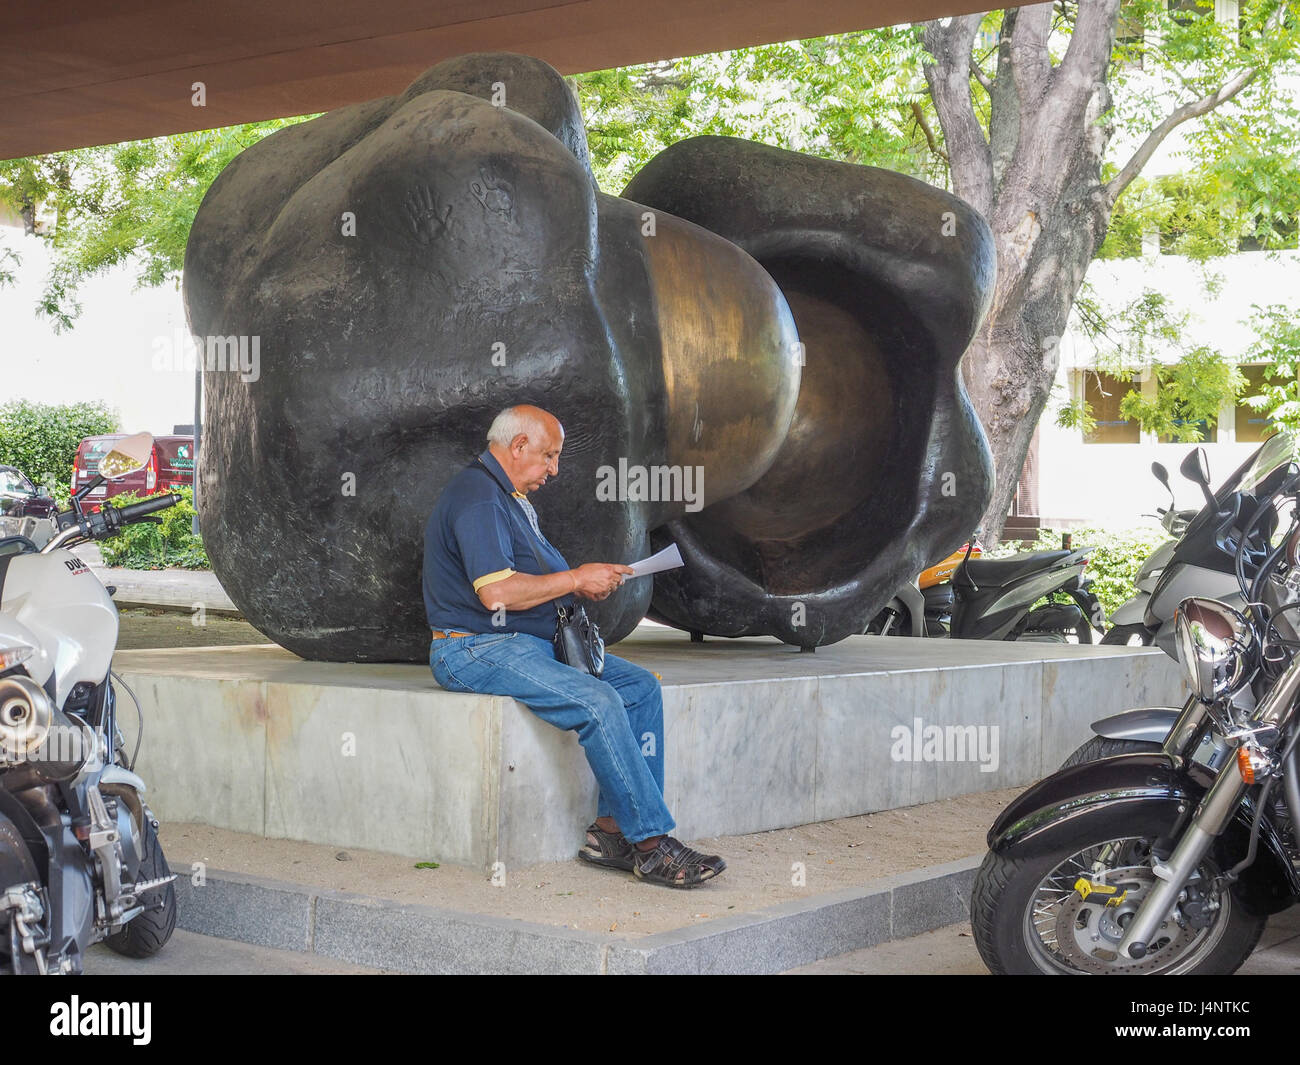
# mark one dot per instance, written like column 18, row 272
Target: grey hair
column 511, row 422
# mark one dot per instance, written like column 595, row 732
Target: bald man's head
column 527, row 441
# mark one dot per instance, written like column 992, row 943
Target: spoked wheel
column 1065, row 911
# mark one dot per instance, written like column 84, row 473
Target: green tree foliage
column 132, row 202
column 1277, row 329
column 1188, row 395
column 1138, row 341
column 856, row 97
column 41, row 439
column 1240, row 192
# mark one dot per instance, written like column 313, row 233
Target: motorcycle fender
column 115, row 774
column 1043, row 818
column 1144, row 723
column 1133, row 612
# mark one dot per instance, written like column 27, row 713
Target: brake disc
column 1090, row 925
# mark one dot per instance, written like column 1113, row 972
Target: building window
column 1253, row 425
column 1103, row 393
column 1209, row 433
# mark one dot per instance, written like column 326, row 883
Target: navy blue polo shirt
column 476, row 535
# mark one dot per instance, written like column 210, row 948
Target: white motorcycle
column 80, row 860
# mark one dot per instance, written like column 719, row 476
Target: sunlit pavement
column 188, row 953
column 951, row 951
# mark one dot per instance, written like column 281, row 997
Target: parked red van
column 171, row 466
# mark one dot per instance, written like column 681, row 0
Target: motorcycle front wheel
column 1064, row 911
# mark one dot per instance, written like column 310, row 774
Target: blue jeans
column 619, row 719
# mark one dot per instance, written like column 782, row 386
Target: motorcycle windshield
column 1276, row 453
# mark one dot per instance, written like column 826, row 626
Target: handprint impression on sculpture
column 427, row 221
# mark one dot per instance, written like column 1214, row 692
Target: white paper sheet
column 668, row 558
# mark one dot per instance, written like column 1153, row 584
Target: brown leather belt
column 438, row 634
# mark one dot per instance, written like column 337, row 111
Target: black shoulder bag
column 577, row 641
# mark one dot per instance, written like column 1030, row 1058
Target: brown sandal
column 674, row 864
column 612, row 850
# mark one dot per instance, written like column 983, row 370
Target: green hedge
column 41, row 439
column 1113, row 566
column 170, row 545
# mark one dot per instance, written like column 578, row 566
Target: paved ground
column 832, row 856
column 143, row 628
column 181, row 589
column 187, row 953
column 946, row 951
column 951, row 952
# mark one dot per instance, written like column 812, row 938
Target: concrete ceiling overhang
column 82, row 72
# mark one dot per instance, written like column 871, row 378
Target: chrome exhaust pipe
column 35, row 734
column 26, row 714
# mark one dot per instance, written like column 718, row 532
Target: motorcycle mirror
column 1161, row 475
column 1196, row 467
column 129, row 454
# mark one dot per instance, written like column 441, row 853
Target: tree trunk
column 1037, row 182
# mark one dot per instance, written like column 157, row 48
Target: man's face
column 536, row 461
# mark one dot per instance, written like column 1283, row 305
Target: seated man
column 492, row 614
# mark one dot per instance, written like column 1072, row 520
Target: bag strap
column 478, row 463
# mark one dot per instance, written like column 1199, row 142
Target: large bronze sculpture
column 786, row 329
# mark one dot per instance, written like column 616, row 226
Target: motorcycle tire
column 1123, row 635
column 1100, row 747
column 147, row 933
column 16, row 867
column 1005, row 903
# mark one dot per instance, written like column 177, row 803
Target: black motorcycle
column 1170, row 861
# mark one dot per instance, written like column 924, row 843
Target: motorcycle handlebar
column 136, row 511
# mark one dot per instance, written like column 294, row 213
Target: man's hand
column 598, row 580
column 522, row 591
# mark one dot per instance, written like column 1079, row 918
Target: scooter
column 924, row 607
column 993, row 599
column 80, row 860
column 1128, row 623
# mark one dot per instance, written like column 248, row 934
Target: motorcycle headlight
column 15, row 655
column 1216, row 647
